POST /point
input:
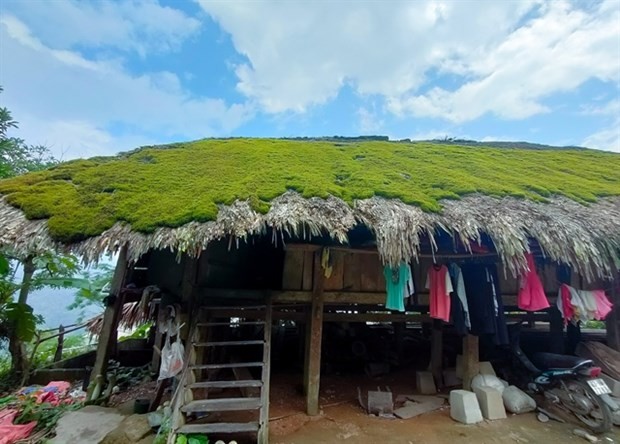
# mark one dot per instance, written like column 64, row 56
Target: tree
column 17, row 321
column 16, row 157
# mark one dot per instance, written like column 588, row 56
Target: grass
column 172, row 185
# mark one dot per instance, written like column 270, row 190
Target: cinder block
column 425, row 383
column 459, row 366
column 614, row 385
column 486, row 368
column 491, row 402
column 464, row 407
column 450, row 379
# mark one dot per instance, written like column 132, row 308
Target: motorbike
column 569, row 382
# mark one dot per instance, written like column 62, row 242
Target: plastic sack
column 487, row 381
column 172, row 359
column 517, row 401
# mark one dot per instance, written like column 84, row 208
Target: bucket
column 141, row 406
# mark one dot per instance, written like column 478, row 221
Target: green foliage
column 192, row 439
column 94, row 287
column 23, row 318
column 142, row 332
column 16, row 157
column 170, row 186
column 46, row 415
column 73, row 345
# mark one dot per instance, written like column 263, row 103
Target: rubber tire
column 607, row 423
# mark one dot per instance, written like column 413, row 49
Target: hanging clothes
column 459, row 289
column 398, row 280
column 440, row 286
column 486, row 309
column 582, row 305
column 532, row 295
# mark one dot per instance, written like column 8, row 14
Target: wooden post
column 436, row 363
column 556, row 331
column 613, row 318
column 59, row 347
column 471, row 364
column 110, row 315
column 313, row 356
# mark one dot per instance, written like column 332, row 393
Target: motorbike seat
column 552, row 361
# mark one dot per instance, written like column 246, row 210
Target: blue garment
column 396, row 279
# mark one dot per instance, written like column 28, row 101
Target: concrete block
column 464, row 407
column 459, row 366
column 614, row 385
column 450, row 379
column 425, row 383
column 491, row 403
column 486, row 368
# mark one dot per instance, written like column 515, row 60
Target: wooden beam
column 110, row 315
column 313, row 358
column 436, row 363
column 329, row 298
column 471, row 364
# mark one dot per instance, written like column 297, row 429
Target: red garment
column 9, row 432
column 567, row 307
column 439, row 283
column 603, row 306
column 532, row 295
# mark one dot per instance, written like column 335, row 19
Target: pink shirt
column 532, row 295
column 440, row 286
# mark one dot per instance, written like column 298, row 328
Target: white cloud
column 71, row 102
column 369, row 120
column 502, row 57
column 140, row 26
column 608, row 138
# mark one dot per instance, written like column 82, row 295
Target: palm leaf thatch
column 132, row 316
column 185, row 196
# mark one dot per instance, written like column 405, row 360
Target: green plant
column 141, row 332
column 46, row 414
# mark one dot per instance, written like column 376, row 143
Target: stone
column 464, row 407
column 486, row 368
column 90, row 424
column 491, row 403
column 613, row 384
column 487, row 381
column 450, row 379
column 459, row 366
column 136, row 427
column 419, row 405
column 425, row 383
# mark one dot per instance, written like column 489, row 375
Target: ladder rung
column 219, row 427
column 222, row 405
column 230, row 365
column 230, row 324
column 225, row 343
column 227, row 384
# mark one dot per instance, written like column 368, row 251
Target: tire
column 598, row 421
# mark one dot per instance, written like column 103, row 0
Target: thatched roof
column 184, row 196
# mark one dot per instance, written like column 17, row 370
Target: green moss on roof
column 172, row 185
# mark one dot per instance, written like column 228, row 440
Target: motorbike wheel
column 599, row 419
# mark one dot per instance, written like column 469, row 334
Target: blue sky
column 91, row 78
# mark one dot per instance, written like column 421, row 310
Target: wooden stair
column 201, row 353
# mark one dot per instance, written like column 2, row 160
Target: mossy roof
column 172, row 185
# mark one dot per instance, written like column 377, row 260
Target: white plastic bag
column 172, row 359
column 517, row 401
column 487, row 381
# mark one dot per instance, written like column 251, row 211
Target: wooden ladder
column 203, row 372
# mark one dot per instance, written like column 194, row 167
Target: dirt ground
column 343, row 420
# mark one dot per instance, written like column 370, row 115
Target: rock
column 491, row 403
column 464, row 407
column 585, row 435
column 136, row 427
column 90, row 424
column 613, row 384
column 486, row 368
column 517, row 401
column 425, row 383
